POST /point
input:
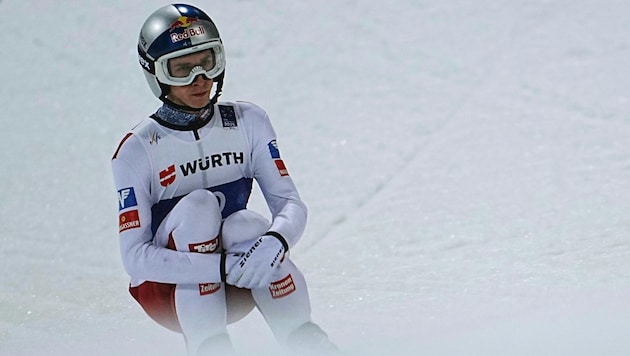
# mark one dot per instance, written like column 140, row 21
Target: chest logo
column 168, row 175
column 212, row 161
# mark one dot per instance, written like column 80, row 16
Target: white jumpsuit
column 175, row 187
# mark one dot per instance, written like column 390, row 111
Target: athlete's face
column 197, row 94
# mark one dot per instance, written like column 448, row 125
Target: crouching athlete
column 197, row 257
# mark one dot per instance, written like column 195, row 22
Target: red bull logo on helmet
column 185, row 22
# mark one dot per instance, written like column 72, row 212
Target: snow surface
column 466, row 166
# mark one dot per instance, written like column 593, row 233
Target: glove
column 228, row 260
column 258, row 262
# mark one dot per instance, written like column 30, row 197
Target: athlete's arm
column 288, row 212
column 141, row 258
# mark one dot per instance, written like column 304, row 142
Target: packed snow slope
column 466, row 165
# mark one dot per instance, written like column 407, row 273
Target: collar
column 173, row 116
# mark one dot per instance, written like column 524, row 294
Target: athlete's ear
column 165, row 90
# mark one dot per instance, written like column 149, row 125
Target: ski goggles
column 179, row 68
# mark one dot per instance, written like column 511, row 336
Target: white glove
column 228, row 260
column 258, row 262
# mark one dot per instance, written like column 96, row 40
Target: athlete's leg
column 193, row 226
column 284, row 303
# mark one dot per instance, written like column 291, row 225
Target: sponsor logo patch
column 188, row 33
column 155, row 137
column 275, row 154
column 282, row 288
column 273, row 149
column 126, row 198
column 183, row 29
column 228, row 117
column 143, row 41
column 128, row 220
column 183, row 22
column 211, row 161
column 167, row 176
column 205, row 247
column 209, row 288
column 282, row 169
column 144, row 63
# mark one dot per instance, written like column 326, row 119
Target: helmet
column 173, row 31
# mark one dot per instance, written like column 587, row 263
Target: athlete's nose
column 200, row 81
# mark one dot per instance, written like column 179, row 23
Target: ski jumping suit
column 176, row 184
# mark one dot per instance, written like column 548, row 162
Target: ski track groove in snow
column 413, row 158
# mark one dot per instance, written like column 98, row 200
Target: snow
column 466, row 166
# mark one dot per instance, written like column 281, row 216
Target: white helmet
column 173, row 31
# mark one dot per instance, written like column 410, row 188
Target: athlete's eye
column 207, row 63
column 180, row 67
column 181, row 70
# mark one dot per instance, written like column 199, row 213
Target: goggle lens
column 181, row 67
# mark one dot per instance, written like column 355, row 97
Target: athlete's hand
column 259, row 259
column 228, row 260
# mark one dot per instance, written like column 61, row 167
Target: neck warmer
column 178, row 117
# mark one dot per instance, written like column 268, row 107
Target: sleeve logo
column 275, row 155
column 128, row 220
column 126, row 198
column 273, row 149
column 282, row 169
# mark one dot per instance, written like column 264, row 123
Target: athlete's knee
column 241, row 226
column 195, row 219
column 199, row 199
